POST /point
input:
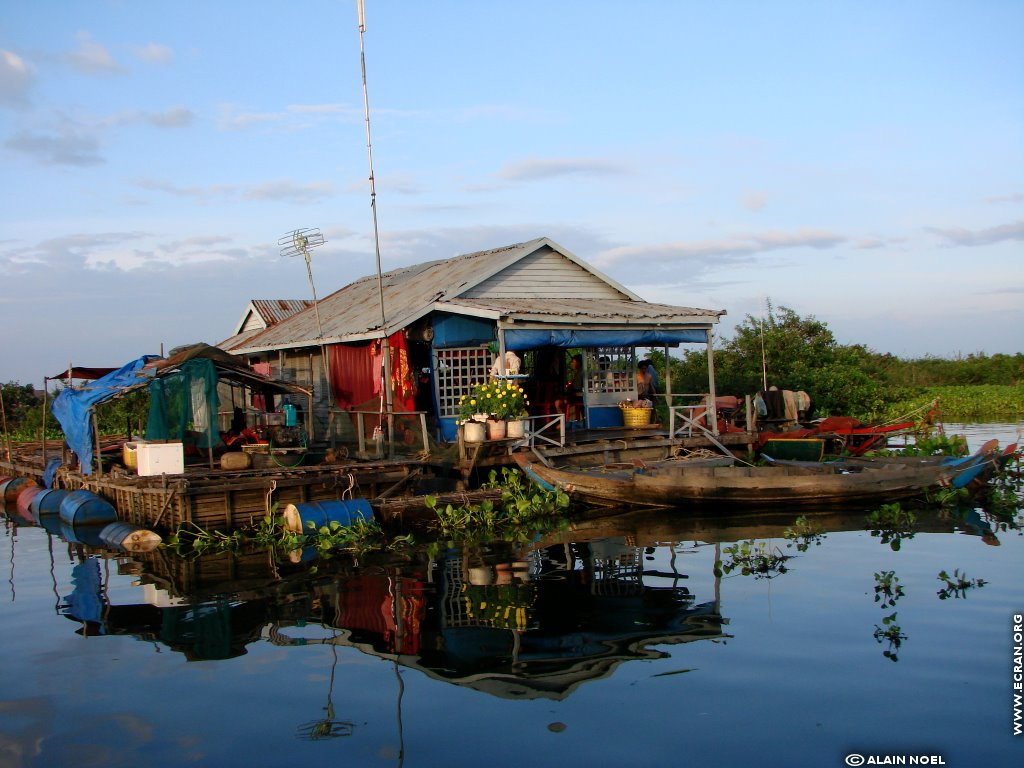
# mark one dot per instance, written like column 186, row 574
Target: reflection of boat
column 676, row 483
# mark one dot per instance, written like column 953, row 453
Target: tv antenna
column 298, row 242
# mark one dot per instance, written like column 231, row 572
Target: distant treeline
column 23, row 412
column 782, row 349
column 791, row 352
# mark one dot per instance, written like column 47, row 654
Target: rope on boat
column 685, row 454
column 914, row 414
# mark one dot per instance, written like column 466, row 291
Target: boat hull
column 679, row 484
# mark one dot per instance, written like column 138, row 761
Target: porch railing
column 546, row 429
column 388, row 442
column 684, row 420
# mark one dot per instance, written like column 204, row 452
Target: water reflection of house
column 575, row 615
column 536, row 638
column 586, row 604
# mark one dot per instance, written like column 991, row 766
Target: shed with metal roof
column 442, row 322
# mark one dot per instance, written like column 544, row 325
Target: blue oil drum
column 51, row 524
column 298, row 517
column 46, row 503
column 86, row 508
column 75, row 533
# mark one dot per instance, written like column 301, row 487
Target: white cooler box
column 160, row 458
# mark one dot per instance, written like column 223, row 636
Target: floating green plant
column 803, row 533
column 521, row 508
column 887, row 588
column 892, row 633
column 892, row 524
column 755, row 559
column 957, row 584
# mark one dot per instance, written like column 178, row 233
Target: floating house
column 447, row 325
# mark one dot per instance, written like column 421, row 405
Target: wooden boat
column 843, row 435
column 801, row 449
column 679, row 483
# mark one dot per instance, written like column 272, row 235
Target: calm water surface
column 615, row 642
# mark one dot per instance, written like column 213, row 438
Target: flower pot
column 516, row 428
column 473, row 432
column 496, row 430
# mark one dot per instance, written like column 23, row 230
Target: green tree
column 790, row 352
column 21, row 406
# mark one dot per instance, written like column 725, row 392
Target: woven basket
column 636, row 417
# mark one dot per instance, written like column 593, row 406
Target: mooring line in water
column 270, row 492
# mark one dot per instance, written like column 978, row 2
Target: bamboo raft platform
column 228, row 500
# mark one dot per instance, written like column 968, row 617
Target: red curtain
column 355, row 373
column 351, row 374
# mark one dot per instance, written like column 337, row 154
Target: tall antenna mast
column 385, row 350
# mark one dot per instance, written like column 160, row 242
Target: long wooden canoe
column 673, row 484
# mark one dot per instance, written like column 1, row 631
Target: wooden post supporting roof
column 712, row 412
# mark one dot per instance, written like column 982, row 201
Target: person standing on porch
column 646, row 388
column 573, row 395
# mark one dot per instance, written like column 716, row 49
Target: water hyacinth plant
column 501, row 400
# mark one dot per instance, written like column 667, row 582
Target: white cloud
column 413, row 246
column 549, row 168
column 154, row 53
column 289, row 191
column 93, row 58
column 176, row 117
column 66, row 146
column 69, row 251
column 16, row 79
column 755, row 201
column 233, row 117
column 1015, row 197
column 869, row 243
column 958, row 236
column 737, row 248
column 118, row 252
column 319, row 109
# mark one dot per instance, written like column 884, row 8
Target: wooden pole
column 668, row 378
column 99, row 455
column 43, row 427
column 712, row 415
column 3, row 416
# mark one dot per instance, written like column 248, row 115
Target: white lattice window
column 611, row 370
column 457, row 370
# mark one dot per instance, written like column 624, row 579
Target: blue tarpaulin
column 620, row 337
column 72, row 407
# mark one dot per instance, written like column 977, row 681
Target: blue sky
column 859, row 162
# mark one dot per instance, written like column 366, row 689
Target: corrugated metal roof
column 603, row 311
column 274, row 311
column 353, row 313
